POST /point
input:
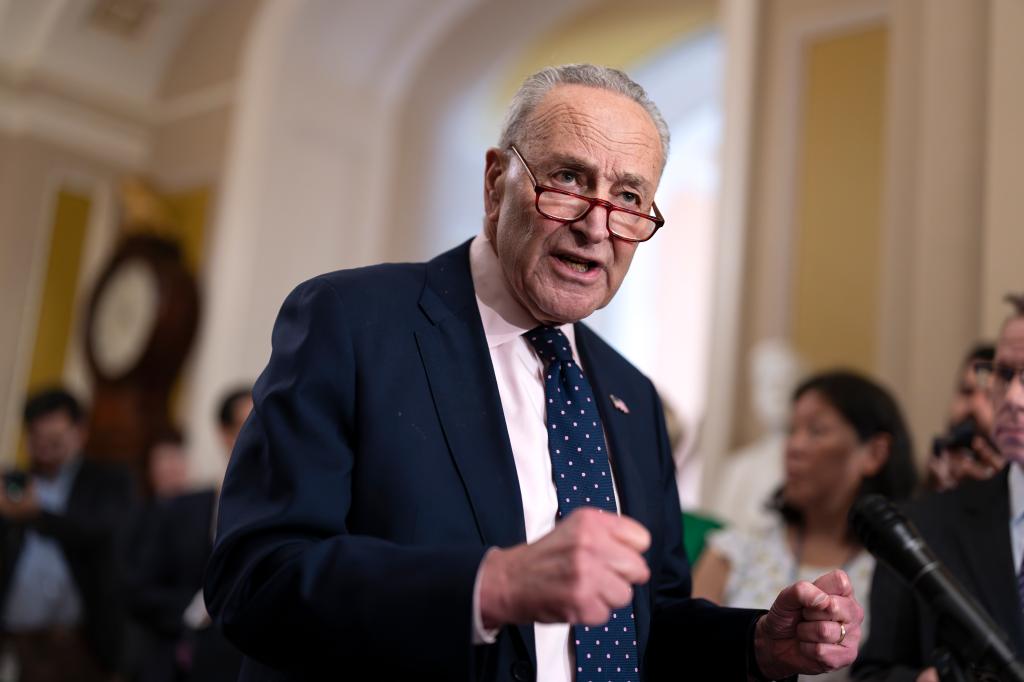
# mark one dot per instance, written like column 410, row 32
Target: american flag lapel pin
column 619, row 403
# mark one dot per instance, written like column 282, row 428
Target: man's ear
column 494, row 183
column 81, row 435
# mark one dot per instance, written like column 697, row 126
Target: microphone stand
column 961, row 658
column 972, row 645
column 949, row 667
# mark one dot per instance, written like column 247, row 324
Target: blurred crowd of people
column 101, row 572
column 846, row 438
column 101, row 575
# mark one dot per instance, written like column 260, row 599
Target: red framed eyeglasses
column 567, row 207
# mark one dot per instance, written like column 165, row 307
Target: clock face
column 125, row 314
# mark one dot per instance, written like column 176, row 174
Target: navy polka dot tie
column 579, row 465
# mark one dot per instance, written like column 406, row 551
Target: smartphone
column 14, row 484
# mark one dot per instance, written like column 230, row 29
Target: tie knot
column 550, row 344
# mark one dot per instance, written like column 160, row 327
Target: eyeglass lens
column 565, row 207
column 997, row 377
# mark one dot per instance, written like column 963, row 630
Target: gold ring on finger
column 842, row 633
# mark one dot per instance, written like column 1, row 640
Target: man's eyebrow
column 571, row 161
column 633, row 179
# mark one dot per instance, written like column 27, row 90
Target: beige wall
column 199, row 89
column 1003, row 230
column 949, row 114
column 211, row 52
column 939, row 309
column 31, row 174
column 184, row 137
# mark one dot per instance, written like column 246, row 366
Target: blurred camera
column 14, row 484
column 959, row 436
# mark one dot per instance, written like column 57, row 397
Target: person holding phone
column 60, row 522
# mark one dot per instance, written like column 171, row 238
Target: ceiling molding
column 58, row 110
column 70, row 124
column 196, row 103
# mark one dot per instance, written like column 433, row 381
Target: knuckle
column 580, row 596
column 578, row 563
column 589, row 516
column 596, row 615
column 621, row 595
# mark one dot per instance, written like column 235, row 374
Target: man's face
column 1008, row 431
column 53, row 439
column 239, row 413
column 590, row 142
column 168, row 469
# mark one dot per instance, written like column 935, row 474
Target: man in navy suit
column 390, row 508
column 976, row 530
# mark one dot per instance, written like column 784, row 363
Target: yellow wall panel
column 60, row 295
column 837, row 250
column 189, row 209
column 57, row 305
column 612, row 34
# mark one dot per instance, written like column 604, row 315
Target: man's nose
column 594, row 225
column 1015, row 391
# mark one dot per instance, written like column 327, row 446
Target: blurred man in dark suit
column 977, row 530
column 60, row 530
column 168, row 594
column 966, row 450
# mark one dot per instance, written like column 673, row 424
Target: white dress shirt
column 519, row 374
column 43, row 592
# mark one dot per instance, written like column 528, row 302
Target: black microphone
column 968, row 631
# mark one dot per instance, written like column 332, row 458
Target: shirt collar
column 503, row 317
column 1016, row 483
column 53, row 493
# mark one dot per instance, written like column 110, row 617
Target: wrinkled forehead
column 607, row 128
column 1010, row 349
column 57, row 422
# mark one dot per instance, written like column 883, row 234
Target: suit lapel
column 617, row 426
column 465, row 393
column 985, row 539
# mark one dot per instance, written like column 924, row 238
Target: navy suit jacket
column 375, row 471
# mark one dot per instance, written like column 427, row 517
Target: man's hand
column 982, row 461
column 577, row 573
column 804, row 630
column 24, row 508
column 928, row 675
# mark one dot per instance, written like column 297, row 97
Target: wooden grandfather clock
column 140, row 323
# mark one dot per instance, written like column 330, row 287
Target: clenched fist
column 577, row 573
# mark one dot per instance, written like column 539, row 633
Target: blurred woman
column 846, row 438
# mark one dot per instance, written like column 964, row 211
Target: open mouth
column 578, row 264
